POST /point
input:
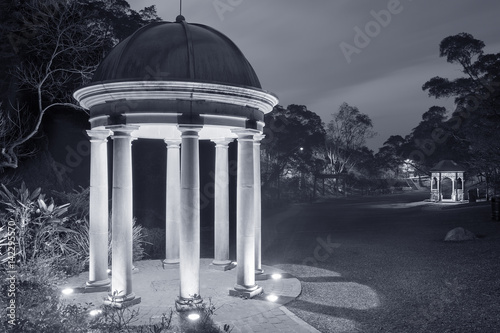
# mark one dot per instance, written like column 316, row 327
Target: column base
column 121, row 302
column 170, row 264
column 222, row 265
column 246, row 292
column 97, row 284
column 171, row 261
column 89, row 290
column 259, row 271
column 186, row 304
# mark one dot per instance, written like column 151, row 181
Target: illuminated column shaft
column 257, row 203
column 190, row 216
column 453, row 190
column 245, row 223
column 121, row 220
column 98, row 209
column 173, row 203
column 221, row 203
column 439, row 188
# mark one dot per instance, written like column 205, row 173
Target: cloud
column 294, row 48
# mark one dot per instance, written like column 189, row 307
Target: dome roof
column 177, row 51
column 447, row 166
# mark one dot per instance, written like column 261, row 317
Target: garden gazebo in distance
column 447, row 181
column 181, row 83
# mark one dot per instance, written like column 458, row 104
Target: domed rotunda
column 178, row 82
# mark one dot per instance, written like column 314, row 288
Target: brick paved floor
column 158, row 288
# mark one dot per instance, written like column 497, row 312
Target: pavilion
column 447, row 181
column 181, row 83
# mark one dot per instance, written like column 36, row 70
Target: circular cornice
column 97, row 94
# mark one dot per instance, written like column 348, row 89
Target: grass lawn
column 379, row 264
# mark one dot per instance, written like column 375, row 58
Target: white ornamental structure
column 447, row 181
column 180, row 83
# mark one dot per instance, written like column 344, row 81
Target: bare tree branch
column 58, row 58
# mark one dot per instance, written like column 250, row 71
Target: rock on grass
column 459, row 235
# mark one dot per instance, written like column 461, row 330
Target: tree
column 475, row 123
column 346, row 135
column 294, row 137
column 389, row 157
column 56, row 46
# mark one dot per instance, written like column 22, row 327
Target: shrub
column 137, row 241
column 37, row 299
column 205, row 323
column 154, row 242
column 79, row 200
column 41, row 227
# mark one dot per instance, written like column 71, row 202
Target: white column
column 257, row 203
column 463, row 187
column 122, row 214
column 98, row 209
column 439, row 187
column 173, row 202
column 190, row 219
column 453, row 193
column 245, row 222
column 221, row 203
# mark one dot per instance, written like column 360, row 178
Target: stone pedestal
column 98, row 210
column 221, row 206
column 245, row 221
column 173, row 203
column 189, row 269
column 121, row 220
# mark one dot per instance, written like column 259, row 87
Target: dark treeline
column 50, row 48
column 299, row 148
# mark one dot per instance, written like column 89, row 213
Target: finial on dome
column 180, row 18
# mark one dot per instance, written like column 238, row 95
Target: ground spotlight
column 193, row 316
column 272, row 298
column 95, row 312
column 276, row 276
column 67, row 291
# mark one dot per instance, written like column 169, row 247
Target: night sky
column 295, row 48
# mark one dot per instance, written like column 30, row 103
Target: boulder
column 459, row 235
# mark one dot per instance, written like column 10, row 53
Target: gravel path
column 380, row 264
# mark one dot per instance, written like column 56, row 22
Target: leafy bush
column 79, row 200
column 37, row 300
column 41, row 226
column 137, row 241
column 122, row 320
column 154, row 242
column 80, row 245
column 205, row 323
column 79, row 208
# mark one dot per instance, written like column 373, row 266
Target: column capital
column 172, row 143
column 245, row 133
column 189, row 128
column 258, row 138
column 123, row 131
column 222, row 142
column 98, row 135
